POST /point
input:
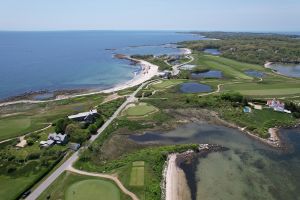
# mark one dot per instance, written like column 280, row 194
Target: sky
column 203, row 15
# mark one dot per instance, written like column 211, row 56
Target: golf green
column 93, row 190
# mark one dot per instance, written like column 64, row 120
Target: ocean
column 34, row 61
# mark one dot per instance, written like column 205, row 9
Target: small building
column 74, row 146
column 47, row 143
column 165, row 74
column 58, row 138
column 276, row 105
column 84, row 115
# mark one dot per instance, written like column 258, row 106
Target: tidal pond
column 248, row 170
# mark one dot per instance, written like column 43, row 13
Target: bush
column 33, row 156
column 99, row 122
column 79, row 136
column 30, row 141
column 11, row 168
column 92, row 129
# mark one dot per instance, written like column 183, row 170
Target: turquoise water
column 248, row 170
column 194, row 88
column 33, row 61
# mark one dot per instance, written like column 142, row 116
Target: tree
column 61, row 125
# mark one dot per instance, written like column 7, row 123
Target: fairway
column 140, row 110
column 93, row 190
column 137, row 174
column 167, row 84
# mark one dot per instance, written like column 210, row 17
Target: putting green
column 93, row 190
column 137, row 176
column 140, row 110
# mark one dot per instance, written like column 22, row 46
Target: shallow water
column 208, row 74
column 248, row 170
column 256, row 74
column 212, row 51
column 194, row 88
column 290, row 70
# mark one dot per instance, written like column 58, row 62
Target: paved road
column 106, row 176
column 68, row 163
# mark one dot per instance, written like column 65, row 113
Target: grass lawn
column 11, row 126
column 92, row 189
column 140, row 110
column 137, row 174
column 74, row 186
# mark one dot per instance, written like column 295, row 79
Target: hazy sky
column 234, row 15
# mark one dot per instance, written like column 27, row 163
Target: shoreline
column 175, row 184
column 147, row 72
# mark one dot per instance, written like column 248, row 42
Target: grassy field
column 23, row 118
column 154, row 159
column 140, row 110
column 137, row 173
column 74, row 186
column 92, row 190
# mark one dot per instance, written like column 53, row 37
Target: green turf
column 92, row 190
column 140, row 110
column 167, row 84
column 85, row 187
column 31, row 117
column 137, row 176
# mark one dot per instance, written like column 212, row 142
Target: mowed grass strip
column 265, row 89
column 93, row 190
column 138, row 164
column 137, row 176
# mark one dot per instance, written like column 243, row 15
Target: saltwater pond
column 291, row 70
column 194, row 88
column 212, row 51
column 248, row 170
column 208, row 74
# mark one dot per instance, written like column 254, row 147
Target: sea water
column 33, row 61
column 248, row 170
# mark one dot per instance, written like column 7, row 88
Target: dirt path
column 105, row 176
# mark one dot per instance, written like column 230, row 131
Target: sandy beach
column 148, row 71
column 176, row 184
